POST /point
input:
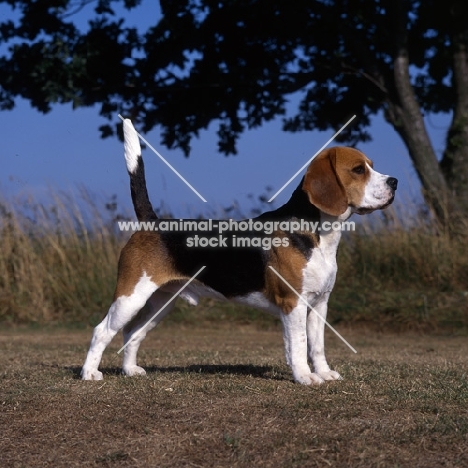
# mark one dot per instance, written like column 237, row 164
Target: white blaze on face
column 377, row 193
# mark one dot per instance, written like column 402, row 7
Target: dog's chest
column 319, row 273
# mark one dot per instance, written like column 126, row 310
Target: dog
column 287, row 273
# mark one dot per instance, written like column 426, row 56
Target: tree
column 236, row 61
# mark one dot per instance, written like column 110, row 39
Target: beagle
column 155, row 264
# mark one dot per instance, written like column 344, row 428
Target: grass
column 57, row 262
column 220, row 395
column 399, row 270
column 402, row 271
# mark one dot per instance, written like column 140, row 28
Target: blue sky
column 62, row 151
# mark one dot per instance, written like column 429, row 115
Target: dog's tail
column 136, row 170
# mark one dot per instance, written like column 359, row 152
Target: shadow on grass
column 261, row 372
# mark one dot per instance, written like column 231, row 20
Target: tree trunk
column 455, row 160
column 404, row 113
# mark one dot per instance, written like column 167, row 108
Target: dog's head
column 341, row 179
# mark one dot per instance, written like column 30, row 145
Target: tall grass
column 57, row 261
column 401, row 269
column 58, row 264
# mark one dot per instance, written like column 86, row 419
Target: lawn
column 221, row 395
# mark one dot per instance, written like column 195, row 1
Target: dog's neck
column 299, row 207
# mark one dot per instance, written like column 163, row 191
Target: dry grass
column 222, row 396
column 58, row 260
column 402, row 271
column 58, row 264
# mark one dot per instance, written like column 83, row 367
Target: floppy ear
column 322, row 185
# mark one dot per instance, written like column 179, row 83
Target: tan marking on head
column 144, row 252
column 352, row 169
column 289, row 263
column 323, row 186
column 334, row 179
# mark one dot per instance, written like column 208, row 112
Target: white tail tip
column 132, row 146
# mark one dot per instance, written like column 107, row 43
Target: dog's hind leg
column 135, row 331
column 122, row 311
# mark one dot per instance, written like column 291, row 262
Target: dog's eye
column 359, row 169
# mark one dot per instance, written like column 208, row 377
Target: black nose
column 392, row 182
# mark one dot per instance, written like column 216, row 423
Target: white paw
column 91, row 374
column 131, row 371
column 310, row 378
column 330, row 375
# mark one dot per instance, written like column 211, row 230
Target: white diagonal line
column 161, row 309
column 312, row 309
column 167, row 164
column 310, row 160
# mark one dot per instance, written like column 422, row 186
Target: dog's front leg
column 295, row 343
column 316, row 318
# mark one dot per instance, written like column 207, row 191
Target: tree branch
column 366, row 75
